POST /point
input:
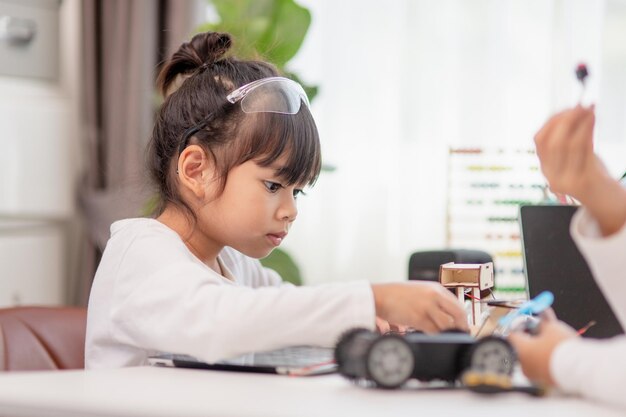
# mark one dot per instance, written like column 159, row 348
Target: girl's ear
column 194, row 170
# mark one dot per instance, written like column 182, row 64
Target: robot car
column 390, row 360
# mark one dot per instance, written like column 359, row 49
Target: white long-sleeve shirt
column 596, row 369
column 151, row 294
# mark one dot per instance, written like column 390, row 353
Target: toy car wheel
column 390, row 361
column 492, row 355
column 351, row 351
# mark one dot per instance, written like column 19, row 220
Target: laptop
column 294, row 360
column 553, row 262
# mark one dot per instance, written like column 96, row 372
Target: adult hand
column 565, row 149
column 422, row 305
column 535, row 352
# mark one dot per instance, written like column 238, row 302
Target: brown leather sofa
column 42, row 338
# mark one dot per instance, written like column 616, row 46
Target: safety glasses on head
column 267, row 95
column 270, row 95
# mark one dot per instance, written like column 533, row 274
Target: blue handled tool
column 535, row 306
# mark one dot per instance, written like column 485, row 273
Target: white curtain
column 401, row 81
column 123, row 42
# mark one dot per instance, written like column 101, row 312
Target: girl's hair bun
column 203, row 50
column 212, row 46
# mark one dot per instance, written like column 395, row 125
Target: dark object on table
column 424, row 265
column 390, row 360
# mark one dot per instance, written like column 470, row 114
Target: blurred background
column 426, row 109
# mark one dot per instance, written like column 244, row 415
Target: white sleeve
column 593, row 368
column 175, row 308
column 605, row 256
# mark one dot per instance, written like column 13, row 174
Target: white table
column 146, row 391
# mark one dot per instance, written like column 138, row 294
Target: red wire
column 305, row 370
column 584, row 329
column 471, row 296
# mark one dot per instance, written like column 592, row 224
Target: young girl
column 232, row 147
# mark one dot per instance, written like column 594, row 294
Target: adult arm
column 592, row 368
column 595, row 368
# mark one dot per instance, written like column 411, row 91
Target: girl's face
column 255, row 211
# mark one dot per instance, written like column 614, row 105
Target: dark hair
column 195, row 83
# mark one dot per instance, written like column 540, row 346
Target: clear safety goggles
column 267, row 95
column 270, row 95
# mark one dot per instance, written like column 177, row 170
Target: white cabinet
column 36, row 199
column 39, row 119
column 32, row 263
column 35, row 158
column 29, row 38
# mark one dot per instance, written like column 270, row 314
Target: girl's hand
column 382, row 325
column 535, row 352
column 422, row 305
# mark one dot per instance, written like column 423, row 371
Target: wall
column 402, row 82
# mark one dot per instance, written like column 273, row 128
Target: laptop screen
column 553, row 262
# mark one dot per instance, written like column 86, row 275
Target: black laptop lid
column 553, row 262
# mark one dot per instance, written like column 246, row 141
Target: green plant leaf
column 246, row 20
column 273, row 29
column 289, row 23
column 310, row 90
column 281, row 262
